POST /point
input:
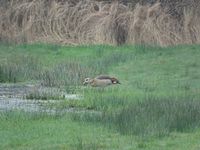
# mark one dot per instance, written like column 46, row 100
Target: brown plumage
column 101, row 81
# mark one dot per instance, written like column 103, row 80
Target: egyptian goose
column 101, row 81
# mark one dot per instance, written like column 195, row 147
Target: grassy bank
column 158, row 98
column 25, row 131
column 47, row 132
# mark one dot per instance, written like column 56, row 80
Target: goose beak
column 116, row 82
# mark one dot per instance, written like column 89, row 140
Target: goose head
column 87, row 81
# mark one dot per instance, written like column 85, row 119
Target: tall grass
column 19, row 68
column 159, row 117
column 95, row 22
column 152, row 117
column 67, row 73
column 57, row 68
column 73, row 72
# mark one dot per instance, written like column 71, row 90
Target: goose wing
column 103, row 77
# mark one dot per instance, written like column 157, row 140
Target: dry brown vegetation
column 100, row 22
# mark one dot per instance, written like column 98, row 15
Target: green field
column 157, row 106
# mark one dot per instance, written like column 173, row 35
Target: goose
column 101, row 81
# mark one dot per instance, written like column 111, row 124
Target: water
column 13, row 97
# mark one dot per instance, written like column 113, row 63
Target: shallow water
column 13, row 97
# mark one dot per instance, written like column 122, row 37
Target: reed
column 97, row 22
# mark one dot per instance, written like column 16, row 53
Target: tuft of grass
column 92, row 145
column 18, row 67
column 158, row 117
column 116, row 57
column 152, row 117
column 42, row 93
column 69, row 74
column 8, row 73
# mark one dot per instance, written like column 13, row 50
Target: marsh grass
column 21, row 130
column 69, row 73
column 158, row 97
column 102, row 63
column 7, row 73
column 106, row 100
column 92, row 145
column 73, row 72
column 16, row 115
column 50, row 71
column 19, row 68
column 158, row 117
column 42, row 93
column 152, row 117
column 158, row 94
column 148, row 116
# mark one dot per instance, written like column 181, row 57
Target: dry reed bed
column 91, row 22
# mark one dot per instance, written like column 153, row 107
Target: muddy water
column 13, row 97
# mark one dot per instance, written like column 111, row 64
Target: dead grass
column 97, row 22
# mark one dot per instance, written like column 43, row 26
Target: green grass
column 159, row 97
column 56, row 65
column 28, row 131
column 50, row 132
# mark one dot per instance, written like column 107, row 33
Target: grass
column 158, row 98
column 62, row 65
column 45, row 94
column 159, row 118
column 48, row 132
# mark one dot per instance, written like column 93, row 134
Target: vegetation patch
column 18, row 67
column 42, row 93
column 158, row 97
column 158, row 117
column 163, row 22
column 151, row 117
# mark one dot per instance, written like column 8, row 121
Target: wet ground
column 14, row 97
